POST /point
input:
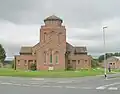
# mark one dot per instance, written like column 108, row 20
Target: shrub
column 33, row 66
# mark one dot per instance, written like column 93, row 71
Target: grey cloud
column 14, row 49
column 92, row 34
column 11, row 49
column 22, row 11
column 99, row 49
column 111, row 46
column 95, row 37
column 88, row 12
column 87, row 37
column 75, row 13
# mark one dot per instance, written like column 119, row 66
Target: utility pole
column 105, row 64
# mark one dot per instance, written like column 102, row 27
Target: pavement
column 83, row 85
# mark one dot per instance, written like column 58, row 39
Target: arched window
column 50, row 56
column 45, row 58
column 57, row 57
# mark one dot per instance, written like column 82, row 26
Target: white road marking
column 111, row 84
column 65, row 82
column 25, row 85
column 6, row 83
column 11, row 84
column 17, row 84
column 45, row 86
column 57, row 86
column 37, row 78
column 86, row 87
column 112, row 78
column 70, row 87
column 105, row 86
column 112, row 88
column 100, row 87
column 34, row 83
column 108, row 86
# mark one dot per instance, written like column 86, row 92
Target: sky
column 20, row 22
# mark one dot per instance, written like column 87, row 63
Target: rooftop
column 53, row 17
column 26, row 50
column 117, row 57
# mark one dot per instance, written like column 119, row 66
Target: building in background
column 113, row 62
column 53, row 52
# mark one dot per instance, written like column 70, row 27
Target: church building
column 53, row 51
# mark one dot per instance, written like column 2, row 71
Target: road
column 84, row 85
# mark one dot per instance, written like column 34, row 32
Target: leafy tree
column 101, row 58
column 116, row 54
column 94, row 63
column 2, row 54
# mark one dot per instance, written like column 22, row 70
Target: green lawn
column 54, row 74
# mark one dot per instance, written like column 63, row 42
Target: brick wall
column 80, row 61
column 24, row 61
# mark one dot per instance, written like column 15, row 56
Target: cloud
column 93, row 37
column 76, row 13
column 14, row 36
column 18, row 34
column 20, row 21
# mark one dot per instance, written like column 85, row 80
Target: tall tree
column 2, row 54
column 116, row 54
column 101, row 58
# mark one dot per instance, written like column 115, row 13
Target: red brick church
column 53, row 51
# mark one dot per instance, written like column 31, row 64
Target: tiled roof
column 69, row 47
column 117, row 57
column 37, row 44
column 53, row 17
column 26, row 50
column 80, row 49
column 75, row 50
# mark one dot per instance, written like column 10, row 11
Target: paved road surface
column 84, row 85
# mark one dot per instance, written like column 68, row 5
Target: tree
column 116, row 54
column 2, row 54
column 101, row 58
column 94, row 63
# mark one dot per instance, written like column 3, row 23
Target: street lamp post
column 105, row 65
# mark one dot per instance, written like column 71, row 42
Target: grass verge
column 51, row 74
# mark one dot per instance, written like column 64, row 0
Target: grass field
column 53, row 74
